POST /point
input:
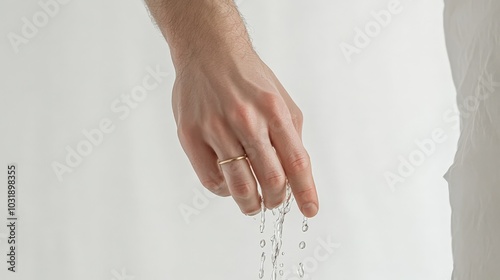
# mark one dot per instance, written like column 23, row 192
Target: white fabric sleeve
column 472, row 30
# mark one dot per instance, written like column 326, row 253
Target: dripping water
column 300, row 270
column 262, row 216
column 305, row 226
column 262, row 260
column 277, row 241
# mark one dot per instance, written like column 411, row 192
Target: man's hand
column 227, row 103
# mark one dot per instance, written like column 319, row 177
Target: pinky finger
column 204, row 162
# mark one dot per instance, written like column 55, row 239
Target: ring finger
column 239, row 177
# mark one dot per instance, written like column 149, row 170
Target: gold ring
column 221, row 162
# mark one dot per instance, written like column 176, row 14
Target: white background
column 116, row 216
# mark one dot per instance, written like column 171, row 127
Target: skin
column 227, row 103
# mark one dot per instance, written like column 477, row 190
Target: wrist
column 215, row 55
column 202, row 31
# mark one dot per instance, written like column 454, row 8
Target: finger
column 204, row 162
column 238, row 175
column 242, row 185
column 297, row 166
column 268, row 170
column 295, row 112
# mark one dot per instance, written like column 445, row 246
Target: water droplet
column 281, row 272
column 281, row 264
column 302, row 245
column 305, row 227
column 300, row 270
column 282, row 253
column 274, row 274
column 262, row 217
column 262, row 260
column 262, row 243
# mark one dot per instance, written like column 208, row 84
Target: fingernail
column 309, row 209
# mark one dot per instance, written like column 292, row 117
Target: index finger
column 297, row 166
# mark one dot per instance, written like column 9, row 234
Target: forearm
column 200, row 30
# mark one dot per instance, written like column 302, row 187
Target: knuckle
column 241, row 115
column 277, row 124
column 298, row 117
column 241, row 189
column 254, row 145
column 274, row 180
column 215, row 186
column 181, row 131
column 272, row 102
column 273, row 105
column 306, row 194
column 298, row 163
column 185, row 133
column 251, row 151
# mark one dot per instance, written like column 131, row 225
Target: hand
column 227, row 107
column 228, row 103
